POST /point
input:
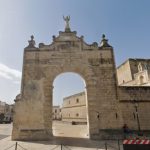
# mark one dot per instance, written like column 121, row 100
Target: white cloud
column 9, row 73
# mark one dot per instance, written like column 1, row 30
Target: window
column 77, row 115
column 77, row 100
column 116, row 115
column 145, row 66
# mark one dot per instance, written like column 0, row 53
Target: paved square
column 55, row 143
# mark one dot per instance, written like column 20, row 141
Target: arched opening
column 69, row 106
column 141, row 79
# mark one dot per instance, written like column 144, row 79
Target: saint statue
column 140, row 68
column 67, row 27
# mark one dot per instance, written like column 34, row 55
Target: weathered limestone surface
column 96, row 64
column 142, row 96
column 134, row 72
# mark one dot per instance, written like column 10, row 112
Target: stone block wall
column 67, row 53
column 108, row 106
column 142, row 97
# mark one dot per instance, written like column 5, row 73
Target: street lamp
column 135, row 102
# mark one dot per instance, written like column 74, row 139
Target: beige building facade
column 7, row 110
column 56, row 113
column 74, row 108
column 134, row 72
column 2, row 107
column 108, row 106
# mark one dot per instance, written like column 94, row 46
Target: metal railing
column 16, row 145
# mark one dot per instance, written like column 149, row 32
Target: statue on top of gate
column 67, row 27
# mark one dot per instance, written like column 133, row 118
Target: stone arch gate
column 67, row 53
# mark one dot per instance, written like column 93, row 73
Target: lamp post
column 137, row 115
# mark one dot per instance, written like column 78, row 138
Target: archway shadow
column 76, row 142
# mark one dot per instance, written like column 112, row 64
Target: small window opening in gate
column 116, row 115
column 98, row 116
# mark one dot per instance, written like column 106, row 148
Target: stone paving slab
column 54, row 144
column 3, row 136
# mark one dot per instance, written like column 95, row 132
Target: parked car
column 6, row 120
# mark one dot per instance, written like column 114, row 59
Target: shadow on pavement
column 75, row 142
column 3, row 136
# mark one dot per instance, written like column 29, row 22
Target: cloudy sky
column 126, row 24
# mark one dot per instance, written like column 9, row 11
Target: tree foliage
column 2, row 116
